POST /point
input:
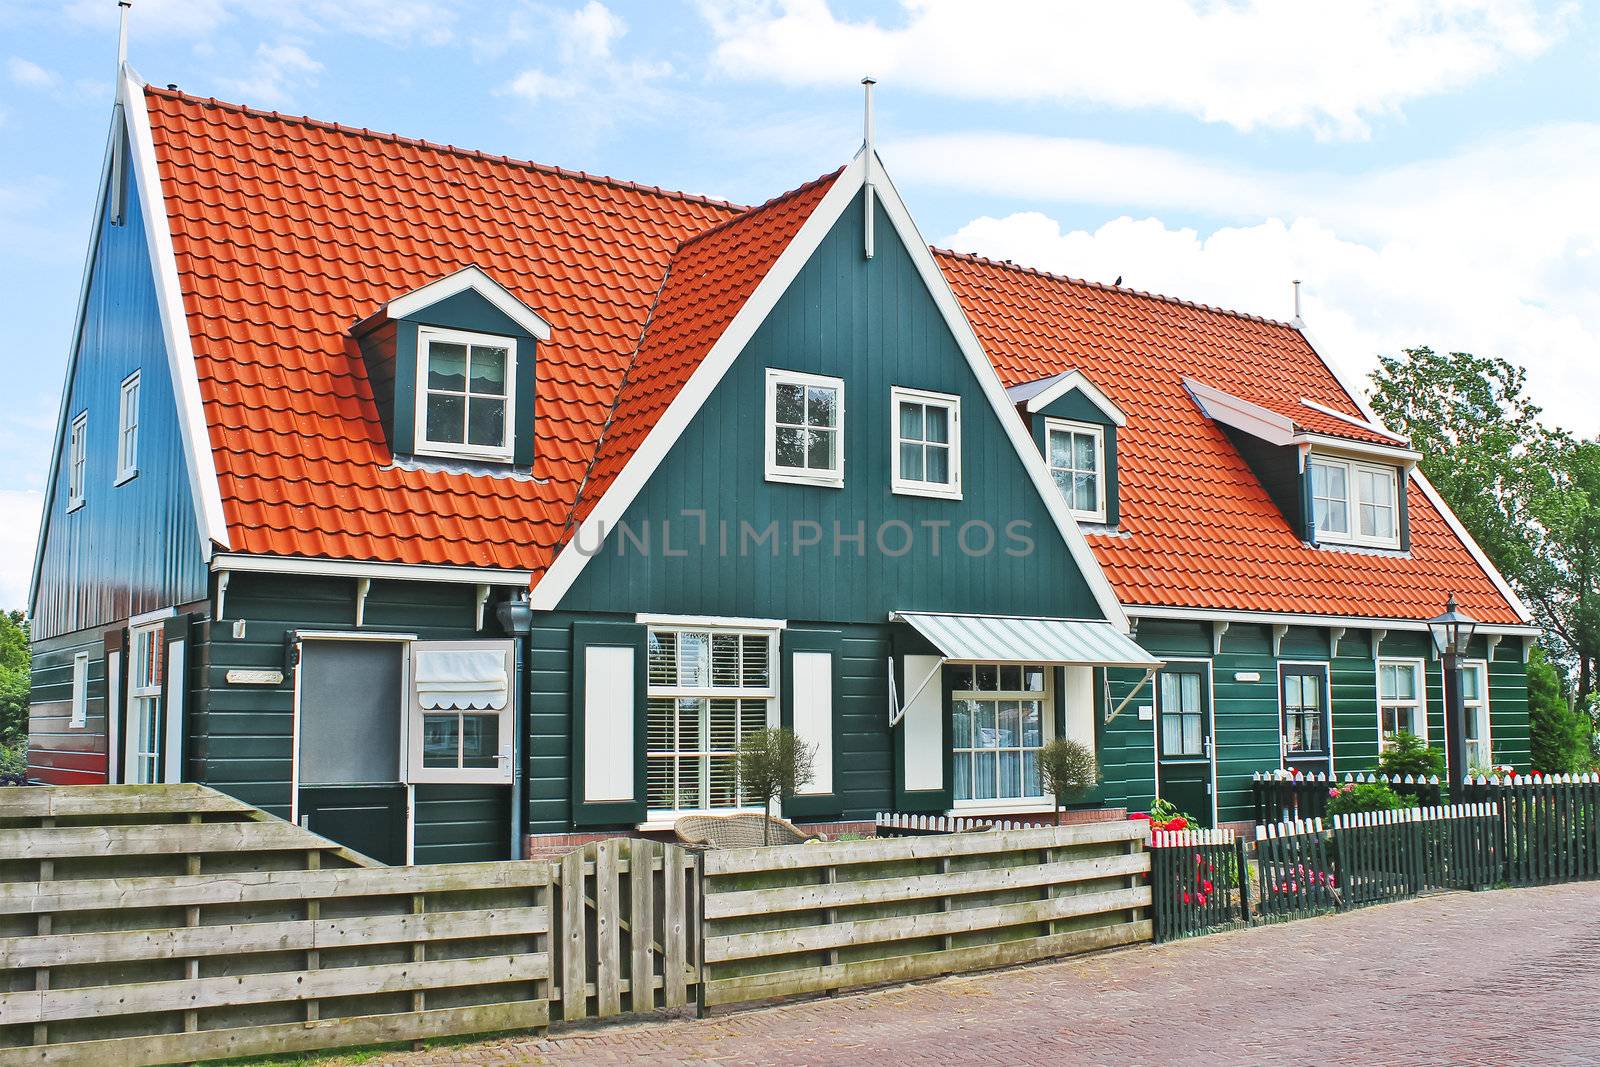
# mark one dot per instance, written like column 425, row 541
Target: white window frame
column 128, row 429
column 950, row 490
column 1352, row 470
column 413, row 732
column 769, row 693
column 1047, row 733
column 1071, row 426
column 80, row 692
column 1479, row 709
column 832, row 479
column 78, row 461
column 426, row 335
column 144, row 740
column 1421, row 700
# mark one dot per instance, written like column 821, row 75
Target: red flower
column 1202, row 898
column 1206, row 885
column 1180, row 823
column 1186, row 897
column 1145, row 815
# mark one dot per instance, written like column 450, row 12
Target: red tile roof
column 1197, row 529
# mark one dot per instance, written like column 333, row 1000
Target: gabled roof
column 1197, row 529
column 1040, row 394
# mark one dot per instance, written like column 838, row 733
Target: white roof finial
column 122, row 33
column 1297, row 318
column 869, row 158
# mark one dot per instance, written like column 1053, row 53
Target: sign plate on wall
column 244, row 677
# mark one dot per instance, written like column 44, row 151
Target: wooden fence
column 894, row 824
column 1282, row 797
column 1390, row 855
column 1550, row 825
column 1199, row 882
column 1295, row 873
column 825, row 917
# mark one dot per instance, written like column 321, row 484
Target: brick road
column 1509, row 977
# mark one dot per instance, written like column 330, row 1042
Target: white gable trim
column 1353, row 421
column 1065, row 383
column 174, row 320
column 1241, row 414
column 475, row 279
column 1428, row 490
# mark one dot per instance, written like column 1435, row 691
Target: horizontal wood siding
column 58, row 753
column 92, row 570
column 1508, row 705
column 462, row 823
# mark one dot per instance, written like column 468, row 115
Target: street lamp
column 1452, row 633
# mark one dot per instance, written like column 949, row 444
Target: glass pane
column 659, row 778
column 487, row 424
column 663, row 658
column 938, row 465
column 724, row 725
column 963, row 775
column 911, row 468
column 1172, row 733
column 724, row 776
column 1313, row 732
column 1170, row 700
column 690, row 711
column 1063, row 482
column 1031, row 785
column 819, row 454
column 988, row 677
column 986, row 731
column 791, row 449
column 447, row 366
column 1469, row 684
column 689, row 794
column 1011, row 774
column 446, row 418
column 757, row 669
column 1083, row 452
column 1471, row 723
column 960, row 679
column 961, row 724
column 1191, row 692
column 659, row 725
column 1033, row 679
column 938, row 423
column 1296, row 738
column 983, row 775
column 1010, row 724
column 910, row 421
column 1085, row 492
column 1032, row 724
column 480, row 740
column 725, row 661
column 822, row 406
column 1060, row 449
column 1010, row 679
column 694, row 659
column 440, row 740
column 489, row 370
column 1192, row 744
column 791, row 404
column 1391, row 721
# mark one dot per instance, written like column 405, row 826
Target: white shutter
column 114, row 714
column 80, row 691
column 813, row 715
column 608, row 741
column 172, row 741
column 924, row 726
column 1080, row 705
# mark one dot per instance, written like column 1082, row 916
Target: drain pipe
column 516, row 618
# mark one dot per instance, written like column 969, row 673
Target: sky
column 1430, row 169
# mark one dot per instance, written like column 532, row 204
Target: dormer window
column 1076, row 452
column 466, row 394
column 1355, row 503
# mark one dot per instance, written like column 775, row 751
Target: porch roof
column 1019, row 639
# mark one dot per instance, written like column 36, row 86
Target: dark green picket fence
column 1550, row 825
column 1284, row 796
column 1197, row 882
column 1295, row 870
column 1392, row 855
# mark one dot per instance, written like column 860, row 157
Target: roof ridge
column 456, row 150
column 1122, row 290
column 752, row 212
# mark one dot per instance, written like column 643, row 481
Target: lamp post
column 1452, row 633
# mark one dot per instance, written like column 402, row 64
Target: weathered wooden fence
column 1550, row 825
column 1199, row 882
column 786, row 921
column 1280, row 796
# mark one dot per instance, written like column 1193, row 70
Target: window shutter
column 114, row 640
column 811, row 677
column 608, row 723
column 922, row 747
column 174, row 698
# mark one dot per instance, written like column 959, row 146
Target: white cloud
column 587, row 66
column 274, row 73
column 1332, row 66
column 19, row 529
column 1495, row 250
column 30, row 75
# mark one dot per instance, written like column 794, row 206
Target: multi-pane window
column 1000, row 718
column 1303, row 711
column 1401, row 704
column 927, row 443
column 805, row 428
column 708, row 691
column 1180, row 698
column 128, row 429
column 464, row 405
column 461, row 711
column 144, row 705
column 1357, row 503
column 1076, row 454
column 77, row 459
column 1475, row 700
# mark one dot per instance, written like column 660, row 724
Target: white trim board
column 227, row 562
column 1141, row 611
column 1066, row 382
column 476, row 279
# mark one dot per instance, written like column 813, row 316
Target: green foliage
column 1068, row 769
column 774, row 763
column 1362, row 796
column 1410, row 754
column 1559, row 735
column 15, row 665
column 1162, row 811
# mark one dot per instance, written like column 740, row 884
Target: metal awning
column 1018, row 639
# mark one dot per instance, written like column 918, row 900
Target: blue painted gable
column 709, row 535
column 136, row 546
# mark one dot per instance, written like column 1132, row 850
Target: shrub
column 1068, row 769
column 772, row 764
column 1362, row 796
column 14, row 763
column 1558, row 734
column 1410, row 754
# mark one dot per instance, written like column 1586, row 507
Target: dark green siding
column 57, row 753
column 1076, row 407
column 874, row 325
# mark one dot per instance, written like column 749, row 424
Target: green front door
column 1183, row 739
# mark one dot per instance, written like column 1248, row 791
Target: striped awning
column 1015, row 639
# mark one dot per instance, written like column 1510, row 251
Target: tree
column 1559, row 734
column 1068, row 768
column 774, row 763
column 1406, row 754
column 16, row 662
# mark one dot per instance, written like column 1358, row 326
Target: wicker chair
column 738, row 831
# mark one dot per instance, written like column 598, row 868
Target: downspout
column 516, row 618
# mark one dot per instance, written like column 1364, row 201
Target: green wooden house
column 456, row 507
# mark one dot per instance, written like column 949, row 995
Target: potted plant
column 1069, row 769
column 774, row 763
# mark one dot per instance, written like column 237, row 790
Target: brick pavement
column 1509, row 977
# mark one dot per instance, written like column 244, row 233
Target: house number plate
column 244, row 677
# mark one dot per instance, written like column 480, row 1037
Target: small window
column 77, row 460
column 1355, row 503
column 461, row 712
column 1475, row 698
column 144, row 705
column 1001, row 716
column 1076, row 453
column 1183, row 729
column 1402, row 703
column 80, row 692
column 128, row 429
column 465, row 394
column 927, row 443
column 805, row 428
